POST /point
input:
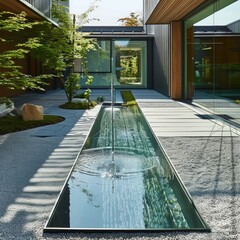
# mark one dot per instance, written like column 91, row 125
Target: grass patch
column 128, row 98
column 78, row 105
column 9, row 124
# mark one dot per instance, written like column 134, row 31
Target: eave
column 167, row 11
column 18, row 6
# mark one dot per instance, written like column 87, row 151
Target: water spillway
column 123, row 180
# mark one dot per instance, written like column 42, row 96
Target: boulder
column 31, row 112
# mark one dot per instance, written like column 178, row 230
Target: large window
column 121, row 61
column 212, row 59
column 43, row 6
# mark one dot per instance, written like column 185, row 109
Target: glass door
column 129, row 63
column 212, row 58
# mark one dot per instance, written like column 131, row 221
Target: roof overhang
column 167, row 11
column 18, row 6
column 121, row 36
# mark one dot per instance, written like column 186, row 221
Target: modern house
column 177, row 45
column 172, row 53
column 184, row 51
column 196, row 52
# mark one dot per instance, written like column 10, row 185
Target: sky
column 108, row 11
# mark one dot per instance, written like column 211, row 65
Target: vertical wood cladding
column 166, row 11
column 176, row 60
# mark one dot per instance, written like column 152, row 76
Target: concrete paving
column 219, row 105
column 169, row 118
column 35, row 163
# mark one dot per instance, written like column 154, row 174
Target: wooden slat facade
column 168, row 11
column 176, row 60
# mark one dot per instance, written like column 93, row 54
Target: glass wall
column 129, row 63
column 100, row 61
column 123, row 61
column 212, row 58
column 43, row 6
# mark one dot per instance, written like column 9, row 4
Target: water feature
column 113, row 169
column 123, row 180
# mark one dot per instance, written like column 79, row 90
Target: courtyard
column 35, row 164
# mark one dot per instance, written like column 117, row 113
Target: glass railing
column 43, row 6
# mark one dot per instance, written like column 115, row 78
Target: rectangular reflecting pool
column 128, row 186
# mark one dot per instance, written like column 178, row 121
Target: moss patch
column 9, row 124
column 128, row 98
column 78, row 105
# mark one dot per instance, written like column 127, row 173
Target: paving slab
column 184, row 118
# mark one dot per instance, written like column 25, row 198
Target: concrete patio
column 35, row 163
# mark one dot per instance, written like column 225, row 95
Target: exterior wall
column 176, row 90
column 161, row 58
column 149, row 6
column 161, row 51
column 235, row 26
column 5, row 92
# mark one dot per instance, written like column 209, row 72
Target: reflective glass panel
column 213, row 59
column 129, row 63
column 123, row 61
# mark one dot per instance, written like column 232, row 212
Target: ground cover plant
column 9, row 124
column 79, row 105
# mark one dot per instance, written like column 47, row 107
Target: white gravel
column 209, row 168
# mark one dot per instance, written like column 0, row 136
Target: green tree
column 55, row 46
column 132, row 20
column 14, row 48
column 61, row 45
